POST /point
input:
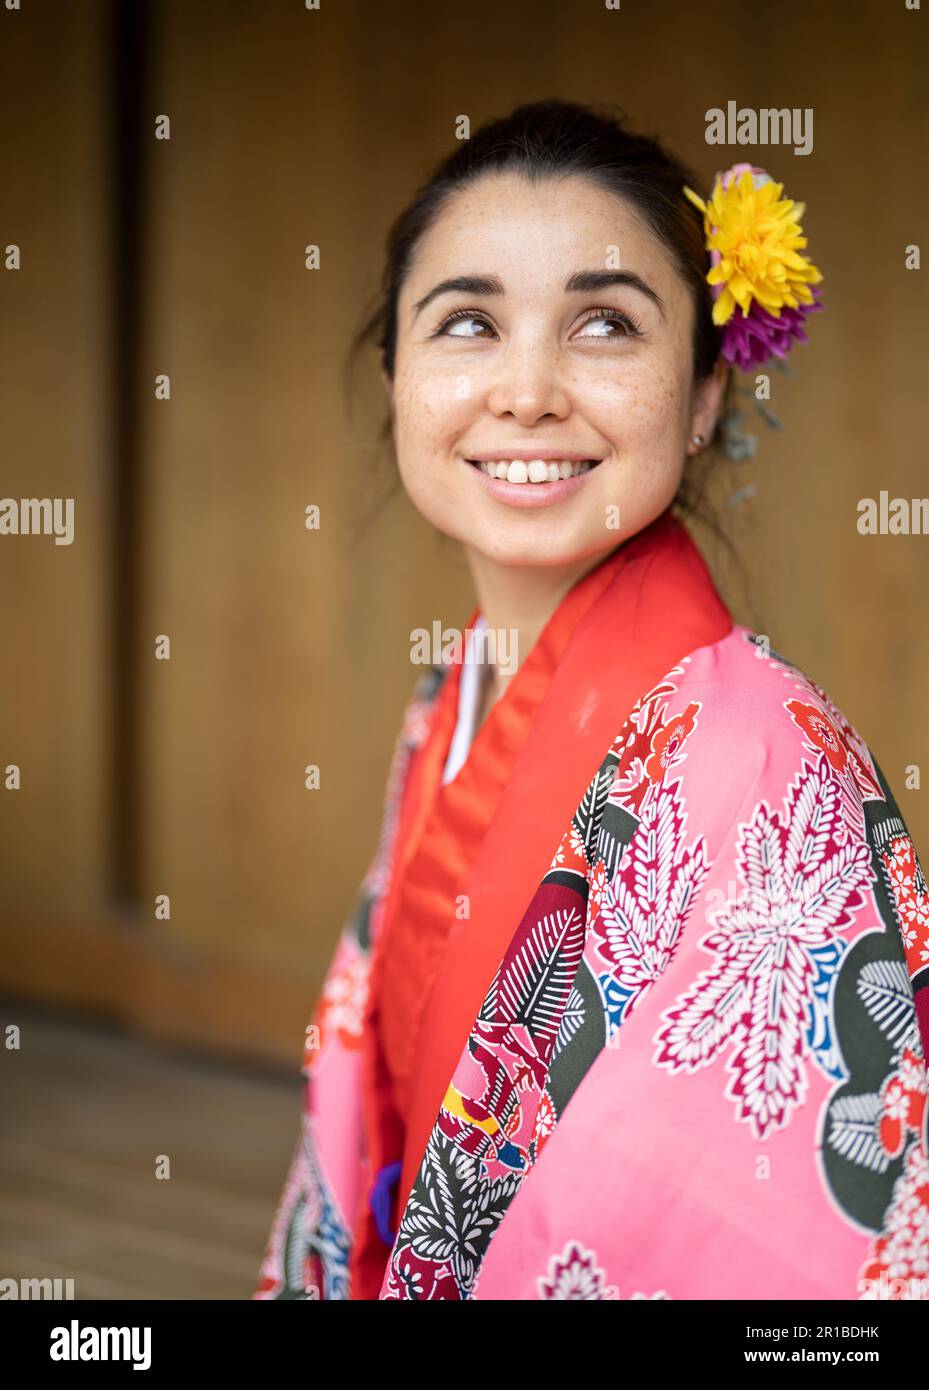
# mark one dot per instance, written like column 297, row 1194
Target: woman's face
column 544, row 323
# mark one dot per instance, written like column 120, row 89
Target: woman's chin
column 538, row 550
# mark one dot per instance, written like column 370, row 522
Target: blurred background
column 143, row 1036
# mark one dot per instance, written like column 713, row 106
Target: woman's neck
column 518, row 600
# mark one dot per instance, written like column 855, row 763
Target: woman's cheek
column 433, row 409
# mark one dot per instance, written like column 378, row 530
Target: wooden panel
column 54, row 692
column 289, row 647
column 161, row 986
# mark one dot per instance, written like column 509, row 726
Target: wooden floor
column 84, row 1115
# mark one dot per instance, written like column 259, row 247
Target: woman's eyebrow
column 589, row 281
column 461, row 284
column 581, row 282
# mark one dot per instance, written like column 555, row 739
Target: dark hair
column 547, row 139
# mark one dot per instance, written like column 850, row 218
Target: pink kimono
column 696, row 1068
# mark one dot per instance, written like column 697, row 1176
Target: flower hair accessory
column 759, row 277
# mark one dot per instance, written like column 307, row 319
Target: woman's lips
column 521, row 482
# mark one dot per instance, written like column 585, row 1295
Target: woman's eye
column 606, row 323
column 610, row 323
column 460, row 325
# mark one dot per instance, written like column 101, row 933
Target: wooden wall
column 289, row 647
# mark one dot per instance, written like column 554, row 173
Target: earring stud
column 696, row 439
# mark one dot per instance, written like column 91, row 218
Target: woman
column 634, row 1000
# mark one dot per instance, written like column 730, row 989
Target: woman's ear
column 709, row 396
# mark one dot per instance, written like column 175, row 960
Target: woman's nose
column 528, row 386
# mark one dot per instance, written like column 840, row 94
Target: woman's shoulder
column 757, row 719
column 746, row 666
column 769, row 697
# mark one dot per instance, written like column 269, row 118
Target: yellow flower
column 757, row 237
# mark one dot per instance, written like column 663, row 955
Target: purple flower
column 750, row 339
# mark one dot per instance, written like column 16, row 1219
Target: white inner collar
column 470, row 689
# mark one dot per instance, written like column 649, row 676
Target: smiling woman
column 645, row 938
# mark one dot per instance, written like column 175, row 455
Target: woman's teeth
column 537, row 470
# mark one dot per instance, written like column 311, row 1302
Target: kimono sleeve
column 874, row 1140
column 812, row 1001
column 308, row 1249
column 310, row 1241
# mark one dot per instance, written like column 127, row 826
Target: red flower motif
column 911, row 903
column 598, row 886
column 896, row 1264
column 820, row 730
column 544, row 1123
column 570, row 854
column 668, row 740
column 632, row 781
column 893, row 1122
column 912, row 1073
column 340, row 1010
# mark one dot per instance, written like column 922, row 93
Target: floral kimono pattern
column 700, row 1068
